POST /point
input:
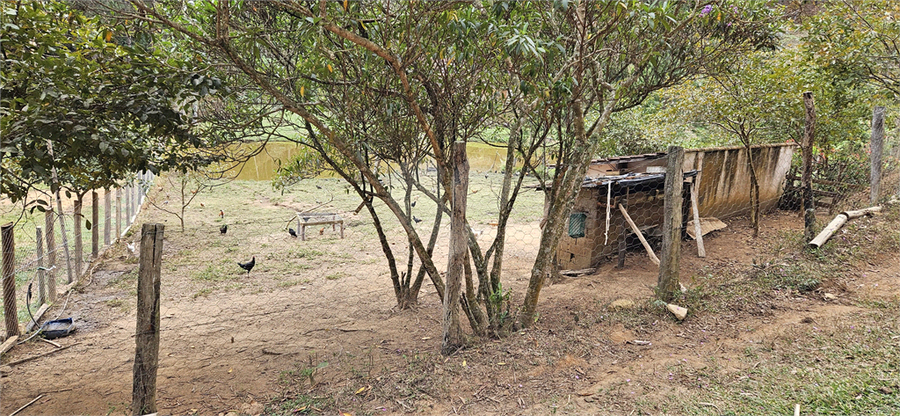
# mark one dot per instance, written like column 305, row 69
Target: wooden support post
column 809, row 132
column 107, row 217
column 640, row 236
column 695, row 209
column 668, row 284
column 41, row 275
column 51, row 255
column 146, row 355
column 452, row 331
column 875, row 149
column 9, row 280
column 95, row 224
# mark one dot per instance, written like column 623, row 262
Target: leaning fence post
column 876, row 146
column 9, row 280
column 51, row 254
column 42, row 281
column 146, row 354
column 668, row 283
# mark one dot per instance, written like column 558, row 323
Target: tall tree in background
column 109, row 107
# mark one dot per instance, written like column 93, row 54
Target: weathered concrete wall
column 724, row 177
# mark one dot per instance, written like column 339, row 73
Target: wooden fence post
column 452, row 332
column 809, row 132
column 78, row 216
column 118, row 213
column 876, row 146
column 9, row 280
column 128, row 189
column 107, row 216
column 51, row 254
column 146, row 354
column 670, row 262
column 42, row 281
column 95, row 224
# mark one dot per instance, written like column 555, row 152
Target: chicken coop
column 633, row 187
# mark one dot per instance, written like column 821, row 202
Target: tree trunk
column 754, row 191
column 452, row 332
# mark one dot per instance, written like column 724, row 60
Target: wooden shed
column 597, row 230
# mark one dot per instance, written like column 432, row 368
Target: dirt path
column 230, row 340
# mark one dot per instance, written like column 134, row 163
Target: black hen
column 248, row 265
column 292, row 232
column 223, row 229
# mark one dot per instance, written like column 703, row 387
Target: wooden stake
column 41, row 275
column 809, row 132
column 695, row 208
column 146, row 355
column 95, row 224
column 9, row 280
column 668, row 284
column 51, row 254
column 875, row 148
column 640, row 236
column 107, row 216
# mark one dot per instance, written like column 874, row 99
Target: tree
column 614, row 55
column 109, row 106
column 858, row 41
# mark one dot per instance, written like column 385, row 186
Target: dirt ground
column 317, row 320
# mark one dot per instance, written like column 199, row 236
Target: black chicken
column 292, row 232
column 416, row 219
column 223, row 229
column 248, row 265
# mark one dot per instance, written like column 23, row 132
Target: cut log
column 839, row 222
column 640, row 235
column 860, row 212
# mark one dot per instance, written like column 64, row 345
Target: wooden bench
column 309, row 219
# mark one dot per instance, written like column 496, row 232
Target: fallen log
column 839, row 222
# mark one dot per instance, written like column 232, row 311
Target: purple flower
column 706, row 10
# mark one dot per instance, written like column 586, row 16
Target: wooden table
column 308, row 219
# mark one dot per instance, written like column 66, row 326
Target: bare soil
column 314, row 328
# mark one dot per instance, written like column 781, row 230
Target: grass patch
column 335, row 276
column 289, row 283
column 214, row 273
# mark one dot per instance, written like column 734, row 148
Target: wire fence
column 45, row 261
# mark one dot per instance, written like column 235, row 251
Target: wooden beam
column 637, row 231
column 701, row 250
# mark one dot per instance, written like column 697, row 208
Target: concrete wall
column 724, row 177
